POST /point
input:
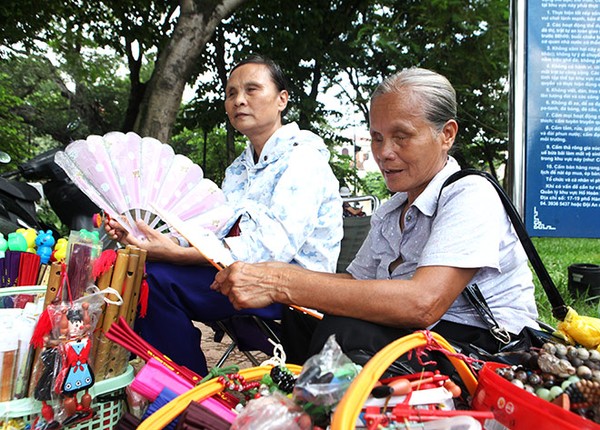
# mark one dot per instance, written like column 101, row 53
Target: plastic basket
column 162, row 417
column 518, row 409
column 349, row 408
column 107, row 413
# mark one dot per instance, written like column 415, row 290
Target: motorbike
column 18, row 199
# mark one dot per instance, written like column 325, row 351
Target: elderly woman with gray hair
column 426, row 243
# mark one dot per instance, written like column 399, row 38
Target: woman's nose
column 385, row 150
column 239, row 99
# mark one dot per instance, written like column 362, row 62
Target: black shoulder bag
column 528, row 337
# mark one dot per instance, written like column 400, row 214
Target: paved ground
column 214, row 350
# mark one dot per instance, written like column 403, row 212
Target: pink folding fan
column 129, row 176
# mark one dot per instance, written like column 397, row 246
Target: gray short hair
column 432, row 89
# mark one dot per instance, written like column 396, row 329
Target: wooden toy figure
column 76, row 373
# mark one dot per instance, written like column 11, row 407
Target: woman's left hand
column 249, row 285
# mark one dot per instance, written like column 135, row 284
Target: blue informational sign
column 562, row 160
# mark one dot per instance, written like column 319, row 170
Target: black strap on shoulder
column 559, row 309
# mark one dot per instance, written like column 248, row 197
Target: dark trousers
column 305, row 336
column 179, row 295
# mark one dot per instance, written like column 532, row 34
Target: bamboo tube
column 111, row 313
column 130, row 276
column 139, row 277
column 102, row 283
column 53, row 283
column 117, row 357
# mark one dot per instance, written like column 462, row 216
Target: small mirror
column 4, row 157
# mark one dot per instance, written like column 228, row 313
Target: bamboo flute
column 111, row 313
column 103, row 282
column 117, row 359
column 139, row 277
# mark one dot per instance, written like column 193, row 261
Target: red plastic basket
column 518, row 409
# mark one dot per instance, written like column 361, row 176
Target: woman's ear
column 448, row 133
column 283, row 100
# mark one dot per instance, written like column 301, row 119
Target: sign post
column 560, row 134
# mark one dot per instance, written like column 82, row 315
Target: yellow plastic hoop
column 347, row 411
column 162, row 417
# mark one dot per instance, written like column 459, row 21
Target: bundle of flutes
column 125, row 278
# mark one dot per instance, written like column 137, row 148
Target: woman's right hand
column 159, row 246
column 115, row 231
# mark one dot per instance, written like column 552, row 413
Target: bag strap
column 474, row 295
column 559, row 308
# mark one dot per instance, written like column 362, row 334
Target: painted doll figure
column 76, row 373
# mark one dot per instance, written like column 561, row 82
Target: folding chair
column 249, row 333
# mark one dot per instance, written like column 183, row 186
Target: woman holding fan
column 281, row 166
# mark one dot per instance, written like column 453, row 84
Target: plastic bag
column 325, row 377
column 579, row 329
column 273, row 412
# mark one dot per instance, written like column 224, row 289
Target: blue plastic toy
column 44, row 241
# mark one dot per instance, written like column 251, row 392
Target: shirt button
column 409, row 217
column 265, row 158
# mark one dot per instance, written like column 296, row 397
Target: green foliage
column 374, row 185
column 53, row 103
column 346, row 45
column 558, row 254
column 12, row 128
column 206, row 150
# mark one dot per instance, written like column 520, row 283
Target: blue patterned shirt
column 288, row 202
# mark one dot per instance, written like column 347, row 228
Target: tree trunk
column 162, row 99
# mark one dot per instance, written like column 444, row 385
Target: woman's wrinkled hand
column 249, row 285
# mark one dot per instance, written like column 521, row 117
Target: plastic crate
column 107, row 413
column 518, row 409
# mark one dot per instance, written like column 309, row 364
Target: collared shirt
column 288, row 202
column 468, row 227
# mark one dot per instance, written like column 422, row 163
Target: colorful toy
column 30, row 236
column 3, row 245
column 45, row 241
column 60, row 250
column 17, row 242
column 76, row 373
column 67, row 370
